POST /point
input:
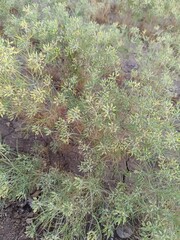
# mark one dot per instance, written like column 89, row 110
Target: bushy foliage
column 60, row 72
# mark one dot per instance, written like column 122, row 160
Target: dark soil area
column 13, row 221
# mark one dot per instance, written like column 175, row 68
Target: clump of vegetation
column 93, row 77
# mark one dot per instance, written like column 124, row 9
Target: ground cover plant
column 92, row 84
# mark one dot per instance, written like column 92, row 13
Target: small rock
column 129, row 64
column 29, row 220
column 124, row 231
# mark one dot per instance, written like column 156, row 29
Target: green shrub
column 60, row 72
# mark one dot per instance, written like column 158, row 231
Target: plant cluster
column 61, row 74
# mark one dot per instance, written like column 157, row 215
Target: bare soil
column 13, row 221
